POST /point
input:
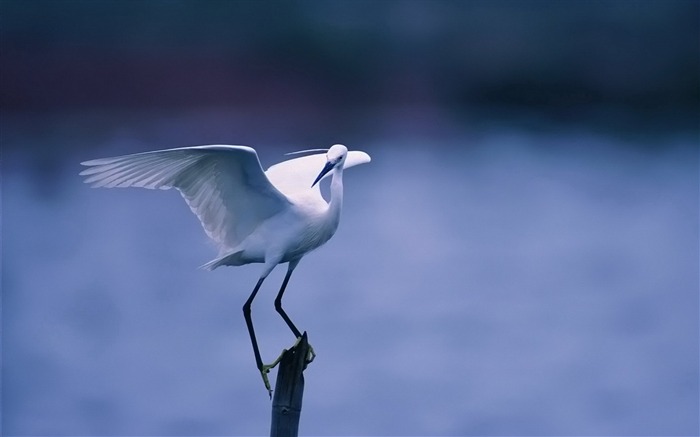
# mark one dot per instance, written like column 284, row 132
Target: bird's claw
column 311, row 355
column 265, row 368
column 263, row 372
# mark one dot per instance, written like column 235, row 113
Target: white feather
column 295, row 176
column 224, row 186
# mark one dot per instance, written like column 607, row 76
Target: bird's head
column 335, row 158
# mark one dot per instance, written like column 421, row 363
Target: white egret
column 254, row 216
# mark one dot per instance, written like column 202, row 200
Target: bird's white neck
column 336, row 202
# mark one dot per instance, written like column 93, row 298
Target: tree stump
column 289, row 390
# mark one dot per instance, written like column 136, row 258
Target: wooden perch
column 289, row 390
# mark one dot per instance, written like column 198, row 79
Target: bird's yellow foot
column 265, row 369
column 311, row 355
column 263, row 372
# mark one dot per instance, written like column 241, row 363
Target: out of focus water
column 499, row 283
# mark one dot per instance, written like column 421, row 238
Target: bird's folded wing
column 224, row 186
column 295, row 176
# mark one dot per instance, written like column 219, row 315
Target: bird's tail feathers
column 230, row 259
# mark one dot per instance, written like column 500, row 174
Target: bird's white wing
column 224, row 186
column 295, row 176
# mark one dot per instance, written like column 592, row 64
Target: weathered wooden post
column 289, row 390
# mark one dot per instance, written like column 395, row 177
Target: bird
column 269, row 217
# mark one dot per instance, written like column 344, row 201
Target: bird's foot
column 263, row 372
column 265, row 369
column 311, row 354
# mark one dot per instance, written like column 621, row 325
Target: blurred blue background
column 520, row 257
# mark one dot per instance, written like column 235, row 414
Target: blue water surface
column 495, row 283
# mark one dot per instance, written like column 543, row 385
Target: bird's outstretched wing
column 224, row 186
column 295, row 176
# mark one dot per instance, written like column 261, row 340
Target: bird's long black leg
column 287, row 320
column 278, row 300
column 249, row 323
